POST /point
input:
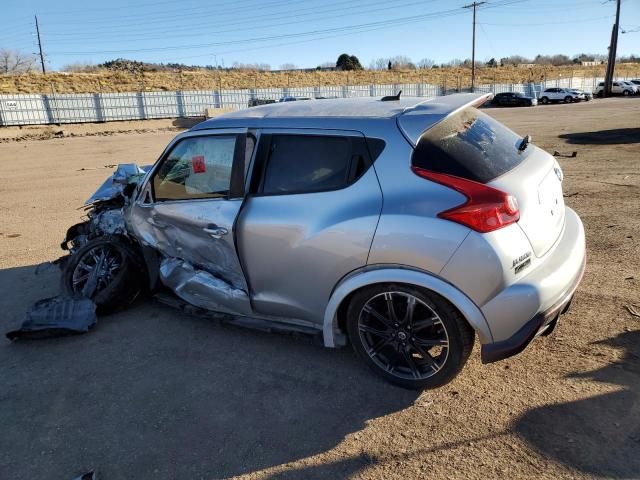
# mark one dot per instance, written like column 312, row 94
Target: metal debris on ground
column 57, row 316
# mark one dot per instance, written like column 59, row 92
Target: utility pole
column 613, row 46
column 40, row 46
column 473, row 44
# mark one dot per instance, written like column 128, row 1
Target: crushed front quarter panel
column 202, row 289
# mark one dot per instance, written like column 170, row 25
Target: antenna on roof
column 391, row 98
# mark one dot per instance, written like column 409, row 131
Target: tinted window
column 310, row 163
column 469, row 144
column 197, row 167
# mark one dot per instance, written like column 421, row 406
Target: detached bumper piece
column 55, row 317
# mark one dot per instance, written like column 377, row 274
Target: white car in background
column 618, row 87
column 565, row 95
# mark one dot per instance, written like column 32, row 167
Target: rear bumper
column 533, row 304
column 541, row 323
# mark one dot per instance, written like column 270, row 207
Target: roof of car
column 363, row 107
column 417, row 113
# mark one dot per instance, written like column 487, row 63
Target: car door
column 309, row 218
column 186, row 210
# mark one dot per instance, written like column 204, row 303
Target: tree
column 426, row 63
column 492, row 63
column 14, row 61
column 288, row 66
column 348, row 62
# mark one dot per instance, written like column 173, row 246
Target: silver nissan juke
column 404, row 226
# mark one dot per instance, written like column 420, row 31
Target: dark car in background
column 513, row 99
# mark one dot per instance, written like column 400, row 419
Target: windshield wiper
column 524, row 143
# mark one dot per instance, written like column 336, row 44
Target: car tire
column 544, row 100
column 626, row 93
column 424, row 350
column 600, row 94
column 117, row 285
column 568, row 99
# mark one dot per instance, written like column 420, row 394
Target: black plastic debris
column 55, row 317
column 87, row 476
column 566, row 155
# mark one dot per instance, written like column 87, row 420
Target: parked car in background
column 633, row 86
column 635, row 81
column 403, row 227
column 617, row 88
column 565, row 95
column 293, row 99
column 513, row 99
column 587, row 96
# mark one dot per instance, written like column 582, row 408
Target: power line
column 529, row 24
column 400, row 20
column 188, row 23
column 331, row 15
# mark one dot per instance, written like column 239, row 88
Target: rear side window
column 309, row 163
column 471, row 145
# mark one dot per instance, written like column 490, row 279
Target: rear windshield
column 471, row 145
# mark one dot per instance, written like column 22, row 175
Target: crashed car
column 406, row 227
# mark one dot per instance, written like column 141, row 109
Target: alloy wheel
column 96, row 269
column 403, row 335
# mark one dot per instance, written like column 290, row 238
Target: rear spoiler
column 414, row 121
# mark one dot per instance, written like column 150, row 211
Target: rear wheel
column 107, row 271
column 544, row 100
column 411, row 337
column 626, row 93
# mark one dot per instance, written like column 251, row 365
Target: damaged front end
column 122, row 249
column 106, row 208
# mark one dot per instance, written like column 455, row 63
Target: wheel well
column 341, row 312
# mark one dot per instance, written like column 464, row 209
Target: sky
column 307, row 33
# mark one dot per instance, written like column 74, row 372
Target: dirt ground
column 152, row 393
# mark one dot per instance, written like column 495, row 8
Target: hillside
column 110, row 81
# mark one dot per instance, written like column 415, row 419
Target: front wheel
column 412, row 337
column 568, row 99
column 106, row 270
column 626, row 93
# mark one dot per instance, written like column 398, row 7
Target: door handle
column 216, row 232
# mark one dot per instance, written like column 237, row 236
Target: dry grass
column 108, row 81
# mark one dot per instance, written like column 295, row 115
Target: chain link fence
column 106, row 107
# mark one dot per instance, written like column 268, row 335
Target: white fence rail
column 106, row 107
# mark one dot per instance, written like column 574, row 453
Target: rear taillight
column 486, row 209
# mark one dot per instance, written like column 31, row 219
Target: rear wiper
column 524, row 143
